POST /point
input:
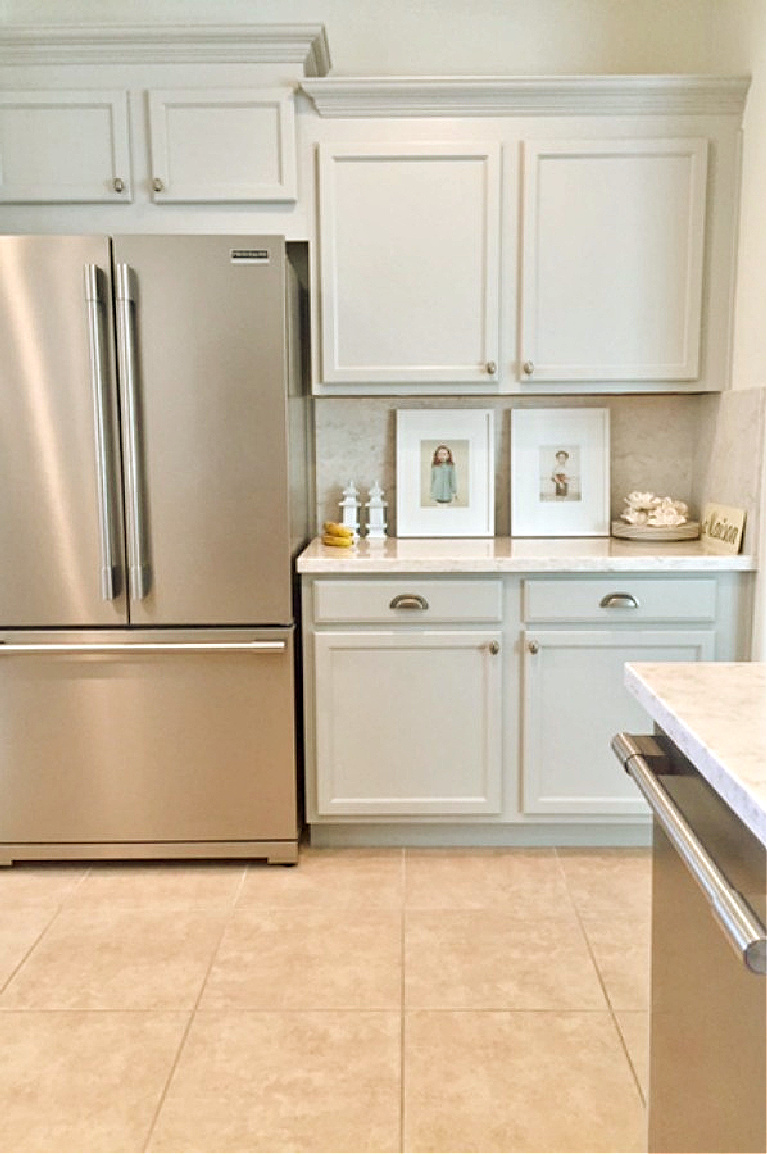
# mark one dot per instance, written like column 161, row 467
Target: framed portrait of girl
column 445, row 473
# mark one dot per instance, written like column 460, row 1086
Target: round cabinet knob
column 528, row 368
column 494, row 648
column 491, row 367
column 533, row 647
column 157, row 185
column 118, row 184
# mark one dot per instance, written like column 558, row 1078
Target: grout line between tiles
column 610, row 1007
column 185, row 1035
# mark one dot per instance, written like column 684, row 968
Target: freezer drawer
column 147, row 736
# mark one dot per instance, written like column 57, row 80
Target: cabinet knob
column 118, row 184
column 494, row 648
column 157, row 185
column 491, row 367
column 528, row 368
column 533, row 647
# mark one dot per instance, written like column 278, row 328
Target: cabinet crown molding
column 305, row 44
column 531, row 96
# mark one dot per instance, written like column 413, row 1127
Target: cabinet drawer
column 621, row 600
column 371, row 602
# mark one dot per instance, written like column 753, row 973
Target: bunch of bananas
column 337, row 535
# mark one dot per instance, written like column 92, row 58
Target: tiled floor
column 418, row 1000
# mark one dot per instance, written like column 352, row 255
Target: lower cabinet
column 408, row 723
column 574, row 701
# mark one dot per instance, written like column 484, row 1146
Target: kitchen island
column 704, row 776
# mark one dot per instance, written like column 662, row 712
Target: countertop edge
column 718, row 775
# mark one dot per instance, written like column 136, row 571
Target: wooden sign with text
column 721, row 528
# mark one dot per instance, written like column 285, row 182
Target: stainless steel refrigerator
column 153, row 492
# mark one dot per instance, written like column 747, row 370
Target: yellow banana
column 338, row 541
column 333, row 529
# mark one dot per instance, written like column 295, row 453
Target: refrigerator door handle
column 138, row 565
column 94, row 299
column 146, row 647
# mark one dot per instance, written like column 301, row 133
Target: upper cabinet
column 611, row 264
column 222, row 145
column 409, row 239
column 611, row 270
column 64, row 146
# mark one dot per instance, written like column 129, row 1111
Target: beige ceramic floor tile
column 607, row 883
column 635, row 1027
column 518, row 1082
column 492, row 960
column 347, row 878
column 80, row 1081
column 19, row 930
column 622, row 951
column 308, row 960
column 528, row 881
column 117, row 960
column 292, row 1081
column 38, row 884
column 115, row 885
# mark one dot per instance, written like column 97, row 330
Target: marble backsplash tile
column 654, row 445
column 730, row 455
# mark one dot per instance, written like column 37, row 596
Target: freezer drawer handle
column 741, row 926
column 138, row 565
column 150, row 647
column 94, row 298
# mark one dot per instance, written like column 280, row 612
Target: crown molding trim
column 531, row 96
column 305, row 44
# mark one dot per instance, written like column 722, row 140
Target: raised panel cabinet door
column 235, row 144
column 408, row 723
column 409, row 263
column 574, row 702
column 612, row 259
column 64, row 146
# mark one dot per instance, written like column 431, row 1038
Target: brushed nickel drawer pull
column 533, row 647
column 494, row 648
column 619, row 601
column 408, row 601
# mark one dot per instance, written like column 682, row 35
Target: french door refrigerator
column 152, row 497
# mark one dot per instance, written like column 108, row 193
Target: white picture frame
column 560, row 473
column 445, row 473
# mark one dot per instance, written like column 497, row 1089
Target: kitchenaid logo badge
column 249, row 255
column 722, row 528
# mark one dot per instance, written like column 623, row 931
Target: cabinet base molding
column 478, row 835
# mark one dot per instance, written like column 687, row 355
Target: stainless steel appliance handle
column 741, row 926
column 94, row 299
column 138, row 567
column 147, row 647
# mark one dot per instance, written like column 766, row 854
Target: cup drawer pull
column 619, row 601
column 408, row 601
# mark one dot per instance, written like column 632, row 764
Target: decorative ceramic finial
column 350, row 509
column 376, row 506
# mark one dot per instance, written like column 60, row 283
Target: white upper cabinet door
column 612, row 262
column 222, row 144
column 409, row 262
column 64, row 146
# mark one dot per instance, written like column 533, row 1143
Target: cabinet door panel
column 612, row 259
column 409, row 263
column 223, row 145
column 64, row 146
column 575, row 701
column 408, row 723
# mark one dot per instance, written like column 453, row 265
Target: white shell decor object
column 375, row 506
column 648, row 517
column 350, row 509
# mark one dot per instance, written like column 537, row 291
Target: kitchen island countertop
column 715, row 713
column 516, row 555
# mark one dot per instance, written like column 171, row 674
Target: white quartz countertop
column 715, row 713
column 515, row 555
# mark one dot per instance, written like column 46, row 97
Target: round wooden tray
column 687, row 532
